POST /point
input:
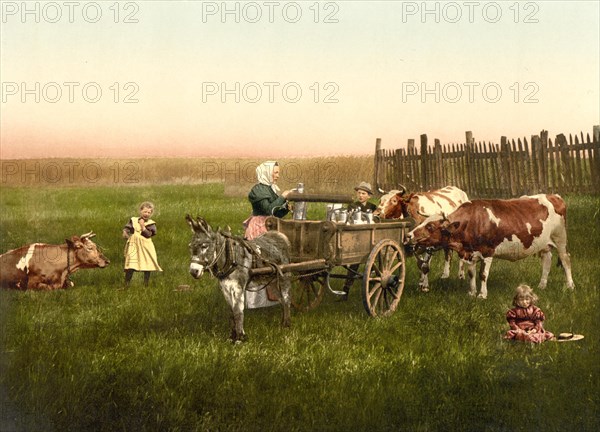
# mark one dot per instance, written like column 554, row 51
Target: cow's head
column 435, row 231
column 393, row 204
column 203, row 247
column 87, row 254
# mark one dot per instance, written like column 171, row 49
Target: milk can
column 332, row 211
column 299, row 207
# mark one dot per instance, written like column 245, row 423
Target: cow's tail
column 559, row 262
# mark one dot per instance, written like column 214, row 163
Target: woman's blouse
column 265, row 202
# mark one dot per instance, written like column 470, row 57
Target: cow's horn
column 422, row 214
column 381, row 191
column 402, row 189
column 87, row 236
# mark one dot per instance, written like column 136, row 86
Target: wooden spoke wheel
column 307, row 292
column 383, row 280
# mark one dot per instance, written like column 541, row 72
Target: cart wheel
column 383, row 280
column 307, row 292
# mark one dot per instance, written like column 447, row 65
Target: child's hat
column 364, row 186
column 564, row 337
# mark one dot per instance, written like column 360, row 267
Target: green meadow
column 95, row 358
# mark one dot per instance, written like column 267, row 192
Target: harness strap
column 229, row 263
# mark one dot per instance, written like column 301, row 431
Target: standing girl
column 140, row 254
column 526, row 319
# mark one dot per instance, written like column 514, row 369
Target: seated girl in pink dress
column 526, row 319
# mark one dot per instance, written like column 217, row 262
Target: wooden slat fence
column 484, row 169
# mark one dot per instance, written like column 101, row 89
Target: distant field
column 93, row 358
column 238, row 175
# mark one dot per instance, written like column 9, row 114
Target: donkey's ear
column 203, row 224
column 191, row 222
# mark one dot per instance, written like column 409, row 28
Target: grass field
column 93, row 358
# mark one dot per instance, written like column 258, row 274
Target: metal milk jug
column 299, row 206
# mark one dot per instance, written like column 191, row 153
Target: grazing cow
column 481, row 230
column 230, row 259
column 42, row 266
column 396, row 204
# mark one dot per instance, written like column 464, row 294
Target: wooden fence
column 503, row 170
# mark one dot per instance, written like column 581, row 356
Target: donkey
column 230, row 258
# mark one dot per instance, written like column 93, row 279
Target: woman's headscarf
column 264, row 174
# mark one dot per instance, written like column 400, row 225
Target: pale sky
column 390, row 70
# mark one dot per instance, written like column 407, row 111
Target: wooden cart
column 323, row 250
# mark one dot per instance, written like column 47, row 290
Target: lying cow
column 508, row 229
column 397, row 204
column 42, row 266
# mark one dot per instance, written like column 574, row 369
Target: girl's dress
column 140, row 254
column 530, row 322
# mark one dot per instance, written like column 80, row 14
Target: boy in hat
column 363, row 193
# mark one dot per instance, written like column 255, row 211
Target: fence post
column 469, row 163
column 505, row 174
column 377, row 164
column 595, row 165
column 537, row 164
column 565, row 175
column 439, row 170
column 543, row 160
column 424, row 183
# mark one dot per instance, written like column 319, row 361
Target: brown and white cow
column 481, row 230
column 397, row 204
column 40, row 266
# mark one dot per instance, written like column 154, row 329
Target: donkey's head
column 203, row 246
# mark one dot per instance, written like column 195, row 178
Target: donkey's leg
column 238, row 313
column 233, row 291
column 285, row 285
column 233, row 334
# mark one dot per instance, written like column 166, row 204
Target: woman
column 266, row 201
